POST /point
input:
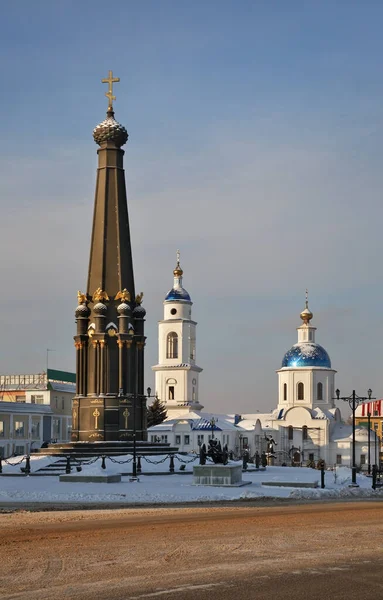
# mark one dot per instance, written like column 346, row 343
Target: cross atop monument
column 109, row 94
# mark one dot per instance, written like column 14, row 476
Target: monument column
column 109, row 315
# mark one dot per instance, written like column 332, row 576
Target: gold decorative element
column 94, row 343
column 102, row 343
column 100, row 295
column 111, row 332
column 95, row 435
column 306, row 314
column 126, row 414
column 96, row 413
column 120, row 343
column 128, row 343
column 124, row 435
column 139, row 298
column 74, row 417
column 96, row 401
column 140, row 345
column 82, row 298
column 110, row 80
column 123, row 295
column 75, row 402
column 178, row 272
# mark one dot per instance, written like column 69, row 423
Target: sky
column 255, row 135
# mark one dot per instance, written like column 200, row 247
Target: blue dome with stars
column 306, row 354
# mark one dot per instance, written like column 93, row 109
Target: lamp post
column 369, row 442
column 354, row 400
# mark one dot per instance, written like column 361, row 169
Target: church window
column 285, row 391
column 187, row 440
column 362, row 459
column 1, row 428
column 320, row 391
column 338, row 459
column 173, row 311
column 301, row 391
column 200, row 439
column 311, row 456
column 291, row 432
column 178, row 440
column 164, row 439
column 304, row 432
column 171, row 392
column 172, row 345
column 193, row 393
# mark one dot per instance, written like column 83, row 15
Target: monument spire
column 110, row 318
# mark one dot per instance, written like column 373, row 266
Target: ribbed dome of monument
column 110, row 131
column 100, row 309
column 82, row 311
column 139, row 312
column 123, row 309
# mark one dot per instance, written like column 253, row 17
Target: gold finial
column 109, row 94
column 178, row 272
column 139, row 298
column 100, row 295
column 306, row 314
column 81, row 298
column 123, row 295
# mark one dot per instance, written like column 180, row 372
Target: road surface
column 315, row 551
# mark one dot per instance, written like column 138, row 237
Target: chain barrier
column 156, row 462
column 120, row 462
column 186, row 462
column 14, row 464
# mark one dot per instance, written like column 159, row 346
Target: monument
column 110, row 404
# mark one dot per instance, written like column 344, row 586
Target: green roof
column 55, row 375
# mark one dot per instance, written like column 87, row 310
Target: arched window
column 172, row 345
column 320, row 391
column 304, row 432
column 291, row 432
column 285, row 391
column 301, row 391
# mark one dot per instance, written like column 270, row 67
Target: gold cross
column 126, row 414
column 96, row 414
column 109, row 94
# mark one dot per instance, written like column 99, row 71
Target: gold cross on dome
column 109, row 94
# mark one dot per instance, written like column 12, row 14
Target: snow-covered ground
column 177, row 488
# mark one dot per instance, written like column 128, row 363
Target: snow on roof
column 63, row 387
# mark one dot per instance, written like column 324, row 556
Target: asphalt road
column 291, row 552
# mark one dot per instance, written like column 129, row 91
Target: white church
column 305, row 425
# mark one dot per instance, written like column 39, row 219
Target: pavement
column 218, row 553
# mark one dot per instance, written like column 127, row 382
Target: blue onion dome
column 177, row 293
column 139, row 312
column 100, row 309
column 82, row 311
column 123, row 309
column 110, row 131
column 306, row 354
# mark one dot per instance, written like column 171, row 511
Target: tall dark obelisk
column 109, row 404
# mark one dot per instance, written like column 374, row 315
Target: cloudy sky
column 255, row 146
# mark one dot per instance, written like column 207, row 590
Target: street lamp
column 369, row 441
column 354, row 400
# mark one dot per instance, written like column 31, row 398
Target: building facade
column 35, row 408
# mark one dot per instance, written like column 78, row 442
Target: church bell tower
column 109, row 404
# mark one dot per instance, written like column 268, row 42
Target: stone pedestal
column 219, row 475
column 115, row 478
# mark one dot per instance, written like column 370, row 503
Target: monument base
column 115, row 478
column 219, row 475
